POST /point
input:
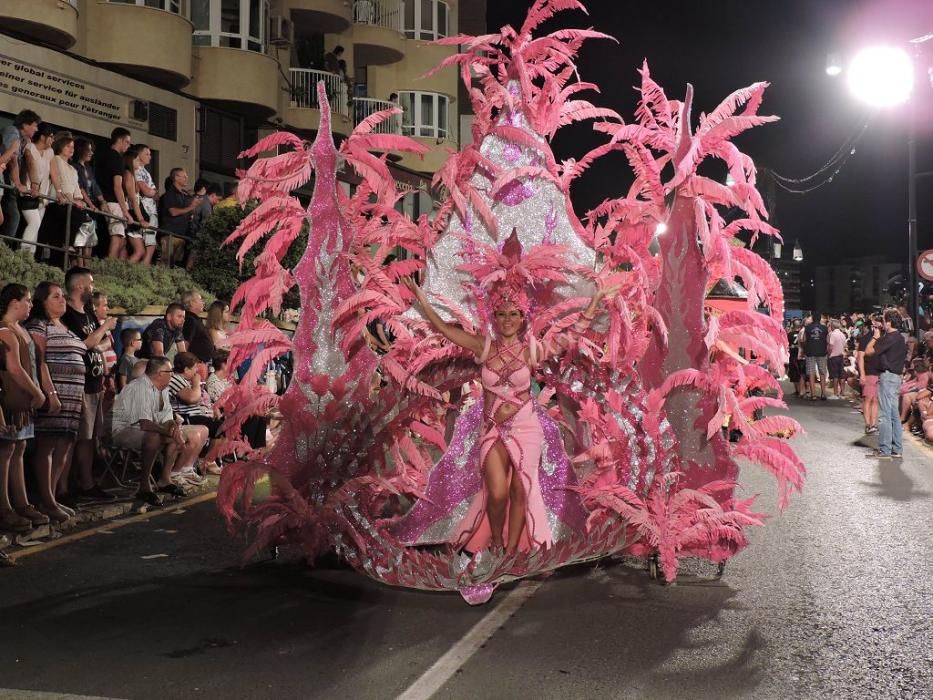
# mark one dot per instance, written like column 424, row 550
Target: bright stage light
column 882, row 76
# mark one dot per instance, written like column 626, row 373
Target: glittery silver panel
column 442, row 528
column 537, row 208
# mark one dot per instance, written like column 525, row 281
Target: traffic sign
column 925, row 265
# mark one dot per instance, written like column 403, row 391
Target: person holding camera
column 890, row 351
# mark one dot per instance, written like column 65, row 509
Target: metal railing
column 304, row 90
column 366, row 106
column 380, row 13
column 174, row 6
column 67, row 250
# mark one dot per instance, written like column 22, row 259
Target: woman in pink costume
column 522, row 502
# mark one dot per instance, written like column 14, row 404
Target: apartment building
column 199, row 80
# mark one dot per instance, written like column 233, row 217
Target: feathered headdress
column 511, row 276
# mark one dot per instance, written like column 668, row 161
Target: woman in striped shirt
column 60, row 359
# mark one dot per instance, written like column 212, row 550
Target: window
column 425, row 19
column 163, row 121
column 222, row 137
column 237, row 24
column 167, row 5
column 424, row 114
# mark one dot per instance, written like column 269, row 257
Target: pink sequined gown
column 453, row 509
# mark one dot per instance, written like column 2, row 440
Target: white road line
column 12, row 694
column 445, row 667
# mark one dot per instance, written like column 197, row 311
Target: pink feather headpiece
column 508, row 275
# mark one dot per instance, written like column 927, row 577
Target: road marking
column 154, row 556
column 112, row 525
column 13, row 694
column 445, row 667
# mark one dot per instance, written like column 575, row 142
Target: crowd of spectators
column 872, row 359
column 112, row 198
column 69, row 400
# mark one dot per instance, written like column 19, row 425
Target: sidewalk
column 94, row 513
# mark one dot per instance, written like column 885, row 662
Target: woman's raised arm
column 458, row 336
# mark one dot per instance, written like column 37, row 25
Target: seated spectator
column 86, row 238
column 143, row 421
column 195, row 333
column 219, row 380
column 128, row 366
column 218, row 324
column 163, row 337
column 187, row 395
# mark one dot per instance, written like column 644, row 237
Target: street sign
column 925, row 265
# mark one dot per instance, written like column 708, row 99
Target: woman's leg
column 18, row 494
column 33, row 218
column 138, row 250
column 45, row 444
column 61, row 463
column 117, row 247
column 496, row 476
column 6, row 453
column 518, row 504
column 150, row 253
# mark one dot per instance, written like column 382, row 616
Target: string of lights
column 832, row 166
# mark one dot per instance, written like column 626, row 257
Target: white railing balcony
column 366, row 106
column 381, row 13
column 175, row 6
column 304, row 90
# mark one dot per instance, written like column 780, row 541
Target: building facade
column 200, row 80
column 858, row 284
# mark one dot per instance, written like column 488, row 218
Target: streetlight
column 798, row 253
column 883, row 76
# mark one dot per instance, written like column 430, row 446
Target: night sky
column 722, row 45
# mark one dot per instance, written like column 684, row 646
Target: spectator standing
column 13, row 141
column 793, row 370
column 86, row 238
column 149, row 198
column 815, row 346
column 58, row 229
column 163, row 337
column 132, row 341
column 177, row 205
column 39, row 157
column 80, row 319
column 143, row 421
column 101, row 306
column 195, row 333
column 218, row 324
column 868, row 371
column 135, row 232
column 110, row 178
column 836, row 363
column 60, row 360
column 209, row 198
column 891, row 351
column 905, row 323
column 21, row 396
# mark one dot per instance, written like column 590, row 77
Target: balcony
column 364, row 107
column 240, row 81
column 304, row 111
column 160, row 55
column 377, row 32
column 320, row 16
column 53, row 22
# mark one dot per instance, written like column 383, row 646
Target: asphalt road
column 832, row 600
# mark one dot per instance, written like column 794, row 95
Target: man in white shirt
column 143, row 421
column 837, row 348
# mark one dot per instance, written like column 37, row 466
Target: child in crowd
column 129, row 366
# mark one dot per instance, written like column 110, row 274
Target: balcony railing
column 175, row 6
column 304, row 90
column 381, row 13
column 366, row 106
